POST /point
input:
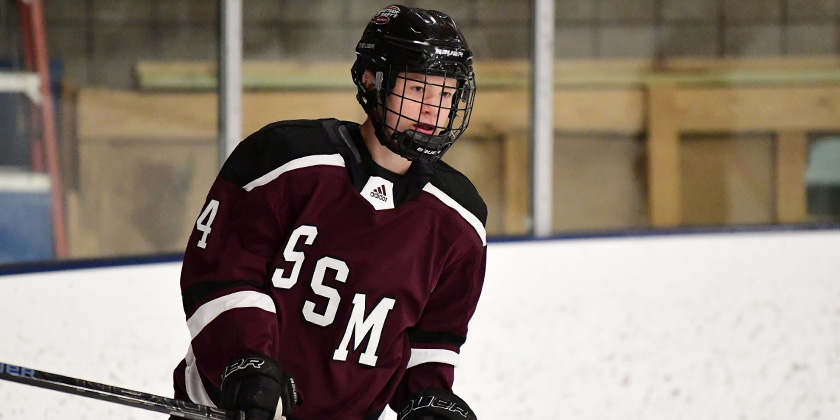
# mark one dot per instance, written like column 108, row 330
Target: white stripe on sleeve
column 420, row 356
column 469, row 217
column 195, row 388
column 209, row 311
column 304, row 162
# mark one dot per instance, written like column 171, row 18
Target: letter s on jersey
column 358, row 326
column 297, row 257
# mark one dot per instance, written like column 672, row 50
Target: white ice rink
column 711, row 326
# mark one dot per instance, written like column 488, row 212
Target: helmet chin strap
column 419, row 146
column 411, row 144
column 369, row 103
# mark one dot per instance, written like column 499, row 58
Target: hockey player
column 335, row 266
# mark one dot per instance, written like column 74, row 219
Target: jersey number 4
column 205, row 220
column 358, row 327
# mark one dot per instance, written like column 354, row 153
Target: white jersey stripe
column 209, row 311
column 195, row 388
column 469, row 217
column 420, row 356
column 304, row 162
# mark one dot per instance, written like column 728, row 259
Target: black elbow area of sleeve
column 438, row 404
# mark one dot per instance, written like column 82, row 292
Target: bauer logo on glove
column 258, row 386
column 240, row 364
column 437, row 404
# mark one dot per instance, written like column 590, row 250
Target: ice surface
column 718, row 326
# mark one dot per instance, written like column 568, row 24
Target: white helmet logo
column 449, row 53
column 384, row 16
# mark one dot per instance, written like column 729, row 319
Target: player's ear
column 369, row 80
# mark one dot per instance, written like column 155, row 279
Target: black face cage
column 428, row 137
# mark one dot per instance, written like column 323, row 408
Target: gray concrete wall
column 99, row 41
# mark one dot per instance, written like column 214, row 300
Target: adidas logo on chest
column 379, row 192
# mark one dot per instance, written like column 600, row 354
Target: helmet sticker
column 449, row 53
column 379, row 77
column 384, row 16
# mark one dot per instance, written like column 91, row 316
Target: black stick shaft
column 177, row 408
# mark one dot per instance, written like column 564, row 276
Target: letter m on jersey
column 359, row 327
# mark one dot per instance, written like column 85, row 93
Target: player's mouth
column 425, row 128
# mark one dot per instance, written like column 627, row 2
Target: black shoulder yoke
column 273, row 146
column 459, row 187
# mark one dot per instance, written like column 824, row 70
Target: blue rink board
column 74, row 264
column 25, row 227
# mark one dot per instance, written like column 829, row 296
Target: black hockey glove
column 436, row 404
column 259, row 386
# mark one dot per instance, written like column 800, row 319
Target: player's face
column 420, row 102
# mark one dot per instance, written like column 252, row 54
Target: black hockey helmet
column 399, row 40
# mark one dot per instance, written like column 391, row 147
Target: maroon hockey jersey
column 360, row 282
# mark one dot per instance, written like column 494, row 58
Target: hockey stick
column 177, row 408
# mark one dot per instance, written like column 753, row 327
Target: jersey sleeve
column 227, row 269
column 437, row 338
column 223, row 282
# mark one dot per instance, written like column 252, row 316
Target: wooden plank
column 283, row 75
column 261, row 108
column 507, row 74
column 621, row 110
column 663, row 157
column 695, row 64
column 202, row 75
column 791, row 164
column 759, row 109
column 298, row 75
column 114, row 219
column 501, row 111
column 108, row 114
column 611, row 73
column 727, row 179
column 603, row 111
column 599, row 183
column 517, row 186
column 88, row 223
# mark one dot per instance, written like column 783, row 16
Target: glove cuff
column 438, row 403
column 258, row 383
